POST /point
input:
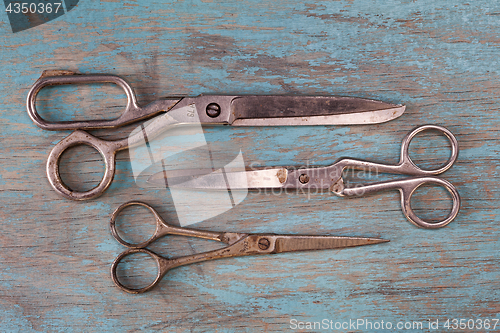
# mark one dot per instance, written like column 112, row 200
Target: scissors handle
column 406, row 165
column 406, row 188
column 107, row 149
column 162, row 228
column 240, row 248
column 162, row 265
column 132, row 113
column 236, row 248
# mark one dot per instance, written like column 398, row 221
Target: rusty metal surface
column 213, row 110
column 238, row 245
column 330, row 178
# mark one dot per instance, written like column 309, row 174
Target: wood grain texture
column 438, row 58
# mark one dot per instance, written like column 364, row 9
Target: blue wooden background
column 440, row 58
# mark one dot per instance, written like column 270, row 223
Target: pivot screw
column 304, row 179
column 213, row 110
column 264, row 243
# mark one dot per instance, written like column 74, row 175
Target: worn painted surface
column 440, row 58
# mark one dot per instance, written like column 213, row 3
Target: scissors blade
column 311, row 243
column 317, row 179
column 311, row 110
column 219, row 179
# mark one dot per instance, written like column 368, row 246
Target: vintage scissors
column 204, row 109
column 239, row 244
column 330, row 178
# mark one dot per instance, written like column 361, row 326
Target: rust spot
column 56, row 73
column 281, row 174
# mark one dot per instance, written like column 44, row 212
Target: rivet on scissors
column 264, row 243
column 303, row 178
column 213, row 110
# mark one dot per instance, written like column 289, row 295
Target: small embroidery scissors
column 204, row 109
column 330, row 178
column 239, row 244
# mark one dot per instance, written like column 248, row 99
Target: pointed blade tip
column 376, row 241
column 362, row 241
column 391, row 113
column 400, row 108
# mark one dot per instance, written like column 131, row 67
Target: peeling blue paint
column 440, row 59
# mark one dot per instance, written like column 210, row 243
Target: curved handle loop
column 49, row 78
column 160, row 225
column 160, row 264
column 408, row 187
column 407, row 166
column 107, row 149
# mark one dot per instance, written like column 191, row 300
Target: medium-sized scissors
column 330, row 178
column 239, row 244
column 205, row 109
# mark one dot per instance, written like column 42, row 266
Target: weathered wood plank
column 439, row 58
